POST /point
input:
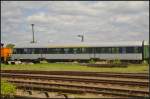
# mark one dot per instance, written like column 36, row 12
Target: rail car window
column 122, row 50
column 111, row 50
column 98, row 50
column 70, row 51
column 137, row 49
column 25, row 51
column 83, row 50
column 115, row 50
column 61, row 51
column 37, row 50
column 108, row 50
column 130, row 49
column 32, row 51
column 44, row 50
column 119, row 50
column 14, row 51
column 133, row 49
column 55, row 51
column 66, row 50
column 102, row 50
column 74, row 50
column 79, row 50
column 89, row 50
column 28, row 51
column 51, row 51
column 19, row 51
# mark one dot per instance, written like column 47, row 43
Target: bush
column 92, row 61
column 117, row 61
column 7, row 89
column 144, row 62
column 43, row 62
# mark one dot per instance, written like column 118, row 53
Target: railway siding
column 112, row 84
column 92, row 80
column 79, row 73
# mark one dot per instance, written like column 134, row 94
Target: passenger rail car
column 135, row 51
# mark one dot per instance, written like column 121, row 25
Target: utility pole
column 82, row 37
column 33, row 33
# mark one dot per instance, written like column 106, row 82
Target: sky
column 62, row 21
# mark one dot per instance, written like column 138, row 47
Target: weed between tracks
column 7, row 89
column 75, row 67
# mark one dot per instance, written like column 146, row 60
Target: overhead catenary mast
column 82, row 37
column 33, row 41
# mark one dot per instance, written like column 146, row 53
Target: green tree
column 10, row 46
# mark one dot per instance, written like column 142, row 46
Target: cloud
column 61, row 21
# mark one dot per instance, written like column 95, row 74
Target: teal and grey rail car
column 124, row 51
column 146, row 52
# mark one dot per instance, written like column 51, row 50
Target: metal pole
column 82, row 37
column 149, row 52
column 33, row 32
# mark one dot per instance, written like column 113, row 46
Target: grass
column 7, row 89
column 75, row 67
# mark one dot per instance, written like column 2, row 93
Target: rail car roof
column 81, row 44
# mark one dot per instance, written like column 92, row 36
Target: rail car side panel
column 137, row 56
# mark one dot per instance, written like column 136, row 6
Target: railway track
column 76, row 79
column 79, row 89
column 21, row 97
column 79, row 73
column 35, row 80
